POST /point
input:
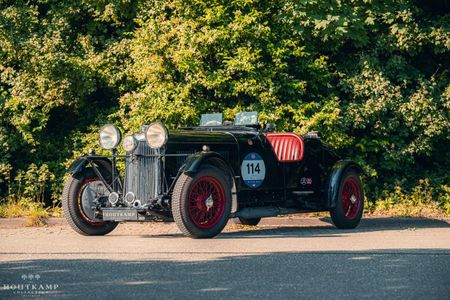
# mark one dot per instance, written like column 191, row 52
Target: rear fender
column 335, row 178
column 195, row 161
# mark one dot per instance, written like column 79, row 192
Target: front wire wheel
column 201, row 204
column 78, row 211
column 350, row 205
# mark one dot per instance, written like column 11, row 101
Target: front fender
column 195, row 161
column 80, row 163
column 77, row 165
column 335, row 178
column 102, row 167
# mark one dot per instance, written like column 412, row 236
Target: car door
column 261, row 180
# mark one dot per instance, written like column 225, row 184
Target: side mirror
column 270, row 127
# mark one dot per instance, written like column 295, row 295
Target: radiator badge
column 253, row 170
column 305, row 181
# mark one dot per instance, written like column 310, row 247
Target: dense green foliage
column 371, row 76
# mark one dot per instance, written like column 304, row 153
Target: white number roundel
column 253, row 170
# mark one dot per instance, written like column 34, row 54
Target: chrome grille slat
column 141, row 173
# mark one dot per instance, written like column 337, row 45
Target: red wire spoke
column 201, row 190
column 351, row 188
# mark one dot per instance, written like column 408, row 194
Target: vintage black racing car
column 202, row 176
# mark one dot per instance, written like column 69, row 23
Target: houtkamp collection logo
column 30, row 285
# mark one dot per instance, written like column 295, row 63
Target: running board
column 262, row 212
column 303, row 193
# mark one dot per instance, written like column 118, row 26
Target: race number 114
column 253, row 168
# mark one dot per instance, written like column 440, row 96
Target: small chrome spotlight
column 130, row 197
column 137, row 204
column 113, row 198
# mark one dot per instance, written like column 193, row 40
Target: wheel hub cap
column 353, row 199
column 209, row 202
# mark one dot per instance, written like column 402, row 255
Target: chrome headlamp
column 109, row 136
column 156, row 135
column 129, row 143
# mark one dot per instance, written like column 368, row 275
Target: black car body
column 216, row 172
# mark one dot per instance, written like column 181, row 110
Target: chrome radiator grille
column 143, row 173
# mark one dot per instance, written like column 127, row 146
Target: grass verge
column 422, row 201
column 35, row 213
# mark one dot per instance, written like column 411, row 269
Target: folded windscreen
column 211, row 119
column 246, row 118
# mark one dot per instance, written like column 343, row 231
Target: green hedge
column 371, row 76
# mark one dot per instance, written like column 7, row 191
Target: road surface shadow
column 415, row 274
column 297, row 228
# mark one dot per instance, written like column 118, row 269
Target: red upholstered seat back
column 288, row 147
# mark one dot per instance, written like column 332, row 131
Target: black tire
column 248, row 222
column 188, row 210
column 346, row 214
column 73, row 211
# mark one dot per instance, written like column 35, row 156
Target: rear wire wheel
column 201, row 204
column 350, row 205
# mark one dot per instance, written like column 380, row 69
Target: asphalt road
column 284, row 258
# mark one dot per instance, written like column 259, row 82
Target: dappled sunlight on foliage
column 372, row 77
column 419, row 202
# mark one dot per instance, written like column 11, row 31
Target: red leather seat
column 288, row 147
